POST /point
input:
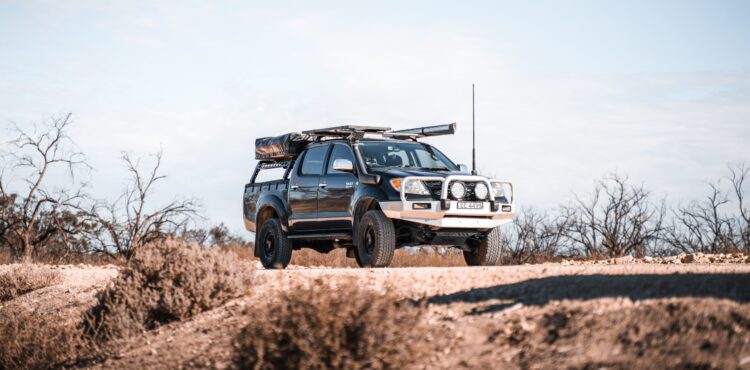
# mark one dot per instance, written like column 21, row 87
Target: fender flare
column 265, row 203
column 363, row 201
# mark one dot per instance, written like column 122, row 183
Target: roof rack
column 360, row 132
column 345, row 130
column 288, row 146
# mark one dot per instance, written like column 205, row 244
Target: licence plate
column 470, row 205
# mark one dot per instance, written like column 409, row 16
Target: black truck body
column 371, row 190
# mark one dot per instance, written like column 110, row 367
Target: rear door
column 303, row 190
column 335, row 194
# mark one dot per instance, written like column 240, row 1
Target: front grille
column 435, row 188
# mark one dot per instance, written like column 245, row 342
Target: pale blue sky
column 566, row 90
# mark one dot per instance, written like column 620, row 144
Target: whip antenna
column 473, row 136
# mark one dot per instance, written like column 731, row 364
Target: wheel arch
column 363, row 205
column 269, row 207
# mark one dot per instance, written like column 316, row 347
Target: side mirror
column 343, row 165
column 463, row 168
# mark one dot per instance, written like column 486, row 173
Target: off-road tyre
column 487, row 251
column 275, row 247
column 376, row 240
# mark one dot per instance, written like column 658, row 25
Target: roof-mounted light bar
column 418, row 132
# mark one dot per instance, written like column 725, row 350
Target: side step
column 323, row 236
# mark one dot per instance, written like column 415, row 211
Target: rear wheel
column 487, row 251
column 276, row 250
column 376, row 240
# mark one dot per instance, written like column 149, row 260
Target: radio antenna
column 473, row 136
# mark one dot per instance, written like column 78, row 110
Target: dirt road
column 540, row 316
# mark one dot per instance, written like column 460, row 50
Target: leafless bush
column 738, row 175
column 21, row 279
column 703, row 226
column 714, row 225
column 30, row 217
column 616, row 219
column 166, row 281
column 126, row 225
column 39, row 341
column 215, row 236
column 534, row 237
column 322, row 326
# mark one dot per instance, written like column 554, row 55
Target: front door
column 335, row 193
column 303, row 190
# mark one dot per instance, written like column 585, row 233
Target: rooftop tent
column 281, row 147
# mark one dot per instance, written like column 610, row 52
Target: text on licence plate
column 470, row 205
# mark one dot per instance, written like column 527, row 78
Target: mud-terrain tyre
column 275, row 247
column 376, row 240
column 487, row 252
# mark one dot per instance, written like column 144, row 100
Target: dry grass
column 166, row 281
column 322, row 326
column 21, row 279
column 424, row 257
column 33, row 341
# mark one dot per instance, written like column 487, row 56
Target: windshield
column 384, row 154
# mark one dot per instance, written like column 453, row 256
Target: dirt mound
column 673, row 334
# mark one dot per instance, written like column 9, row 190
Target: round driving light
column 458, row 190
column 481, row 191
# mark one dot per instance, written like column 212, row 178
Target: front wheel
column 276, row 249
column 376, row 240
column 487, row 252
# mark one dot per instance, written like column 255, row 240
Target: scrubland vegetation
column 57, row 222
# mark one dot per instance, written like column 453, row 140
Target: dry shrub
column 21, row 279
column 424, row 257
column 242, row 251
column 166, row 281
column 37, row 341
column 6, row 257
column 326, row 326
column 428, row 257
column 312, row 258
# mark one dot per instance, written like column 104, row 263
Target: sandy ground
column 606, row 315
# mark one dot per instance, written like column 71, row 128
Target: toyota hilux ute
column 371, row 190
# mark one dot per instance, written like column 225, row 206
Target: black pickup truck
column 371, row 190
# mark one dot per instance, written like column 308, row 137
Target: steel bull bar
column 445, row 212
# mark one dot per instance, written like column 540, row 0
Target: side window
column 313, row 162
column 339, row 152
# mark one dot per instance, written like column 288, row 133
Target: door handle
column 295, row 186
column 322, row 185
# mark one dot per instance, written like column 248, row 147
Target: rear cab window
column 312, row 163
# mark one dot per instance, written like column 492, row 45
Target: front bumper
column 445, row 213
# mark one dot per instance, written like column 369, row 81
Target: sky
column 567, row 91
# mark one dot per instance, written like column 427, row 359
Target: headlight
column 458, row 190
column 411, row 187
column 498, row 190
column 481, row 190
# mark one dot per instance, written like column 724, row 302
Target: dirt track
column 541, row 316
